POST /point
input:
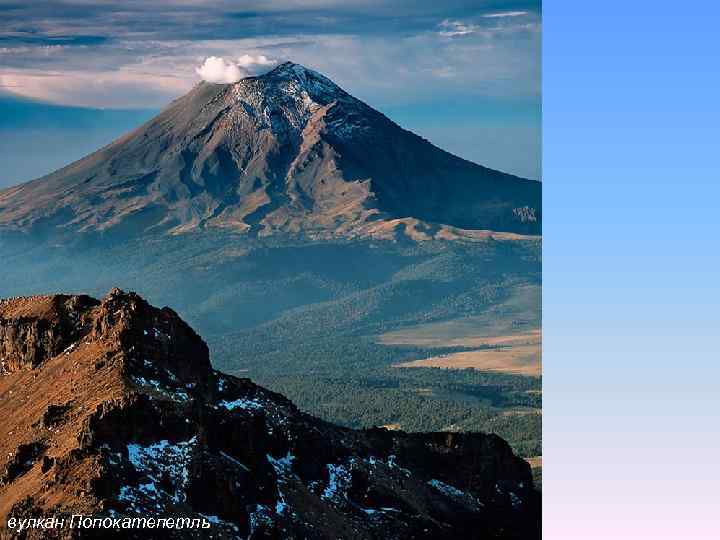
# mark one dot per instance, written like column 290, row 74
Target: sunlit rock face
column 120, row 415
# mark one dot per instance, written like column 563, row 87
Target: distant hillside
column 306, row 319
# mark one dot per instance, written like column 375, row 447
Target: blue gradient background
column 631, row 299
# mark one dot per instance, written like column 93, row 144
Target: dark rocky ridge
column 117, row 412
column 287, row 152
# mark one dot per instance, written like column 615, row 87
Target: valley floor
column 324, row 324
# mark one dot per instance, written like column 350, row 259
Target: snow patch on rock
column 243, row 403
column 339, row 478
column 165, row 470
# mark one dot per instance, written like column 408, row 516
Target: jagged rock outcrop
column 112, row 409
column 288, row 152
column 37, row 328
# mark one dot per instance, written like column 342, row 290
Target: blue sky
column 464, row 74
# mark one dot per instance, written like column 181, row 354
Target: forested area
column 304, row 318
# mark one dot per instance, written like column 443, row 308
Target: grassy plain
column 505, row 338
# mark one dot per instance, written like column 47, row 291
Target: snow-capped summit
column 305, row 76
column 287, row 96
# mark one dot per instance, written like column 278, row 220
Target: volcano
column 288, row 152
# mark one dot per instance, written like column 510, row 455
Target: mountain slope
column 112, row 410
column 287, row 152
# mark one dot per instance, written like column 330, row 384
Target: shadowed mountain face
column 287, row 152
column 111, row 409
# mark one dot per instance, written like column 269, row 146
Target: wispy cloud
column 504, row 14
column 143, row 54
column 456, row 28
column 257, row 62
column 116, row 89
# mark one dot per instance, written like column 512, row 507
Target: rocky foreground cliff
column 111, row 410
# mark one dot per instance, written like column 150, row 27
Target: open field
column 521, row 411
column 506, row 338
column 516, row 360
